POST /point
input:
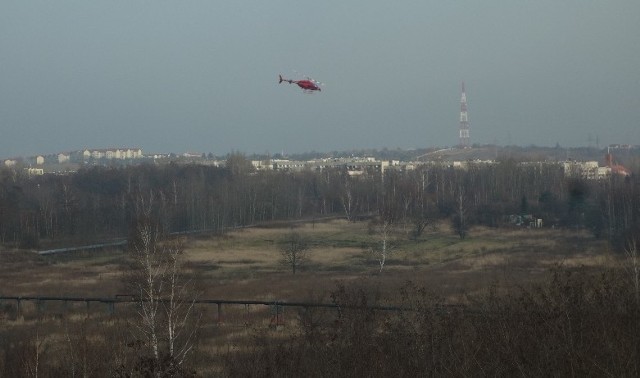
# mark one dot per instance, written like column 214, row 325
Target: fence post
column 277, row 315
column 219, row 313
column 39, row 307
column 280, row 314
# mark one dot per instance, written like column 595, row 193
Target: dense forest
column 98, row 203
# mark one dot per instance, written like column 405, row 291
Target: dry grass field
column 246, row 265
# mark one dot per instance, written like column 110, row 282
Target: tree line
column 98, row 203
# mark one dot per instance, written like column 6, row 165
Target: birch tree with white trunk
column 166, row 322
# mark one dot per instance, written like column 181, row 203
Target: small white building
column 35, row 171
column 63, row 158
column 262, row 165
column 10, row 162
column 113, row 153
column 586, row 169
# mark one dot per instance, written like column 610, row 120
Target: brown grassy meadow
column 246, row 265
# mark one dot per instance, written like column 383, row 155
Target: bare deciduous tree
column 420, row 219
column 633, row 267
column 32, row 355
column 460, row 217
column 383, row 247
column 294, row 250
column 178, row 306
column 167, row 322
column 348, row 200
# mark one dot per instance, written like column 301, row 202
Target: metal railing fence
column 238, row 312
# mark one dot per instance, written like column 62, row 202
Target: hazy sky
column 177, row 76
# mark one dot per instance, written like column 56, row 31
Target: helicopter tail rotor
column 283, row 79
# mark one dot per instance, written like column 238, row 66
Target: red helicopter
column 308, row 85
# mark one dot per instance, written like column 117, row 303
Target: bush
column 575, row 324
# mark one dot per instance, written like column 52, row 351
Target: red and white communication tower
column 464, row 120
